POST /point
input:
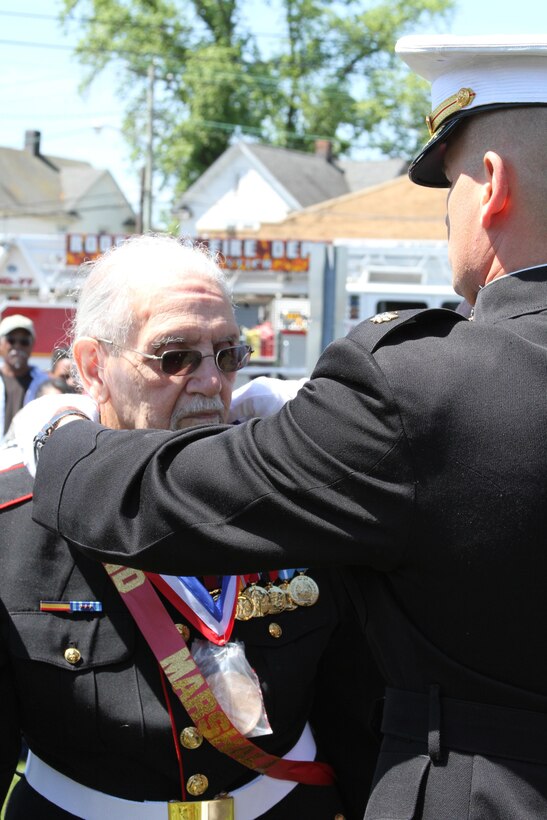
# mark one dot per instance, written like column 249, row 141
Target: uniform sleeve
column 327, row 480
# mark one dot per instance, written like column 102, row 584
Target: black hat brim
column 428, row 167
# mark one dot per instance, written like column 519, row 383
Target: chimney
column 323, row 148
column 32, row 142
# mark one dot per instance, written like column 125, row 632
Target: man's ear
column 89, row 357
column 495, row 195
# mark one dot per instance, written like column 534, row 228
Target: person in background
column 416, row 453
column 58, row 386
column 19, row 380
column 282, row 648
column 62, row 367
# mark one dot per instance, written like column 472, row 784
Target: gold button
column 197, row 784
column 464, row 97
column 275, row 630
column 72, row 655
column 191, row 738
column 183, row 630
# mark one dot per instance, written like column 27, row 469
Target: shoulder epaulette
column 16, row 485
column 374, row 331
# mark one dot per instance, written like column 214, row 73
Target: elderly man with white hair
column 226, row 696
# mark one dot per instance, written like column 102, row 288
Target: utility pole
column 147, row 196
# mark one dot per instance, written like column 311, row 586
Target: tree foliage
column 328, row 73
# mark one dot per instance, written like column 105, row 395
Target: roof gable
column 309, row 178
column 76, row 182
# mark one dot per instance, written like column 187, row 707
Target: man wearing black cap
column 18, row 379
column 417, row 453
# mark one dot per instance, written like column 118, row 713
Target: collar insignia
column 385, row 317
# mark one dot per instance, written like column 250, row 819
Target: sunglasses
column 184, row 362
column 24, row 341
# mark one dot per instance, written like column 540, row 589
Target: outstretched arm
column 325, row 481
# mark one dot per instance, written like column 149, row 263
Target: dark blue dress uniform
column 86, row 691
column 416, row 454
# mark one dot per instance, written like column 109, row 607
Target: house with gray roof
column 250, row 184
column 42, row 194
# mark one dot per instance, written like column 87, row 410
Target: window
column 354, row 302
column 385, row 305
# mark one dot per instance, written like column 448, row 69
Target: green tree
column 329, row 73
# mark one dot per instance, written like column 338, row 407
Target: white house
column 251, row 183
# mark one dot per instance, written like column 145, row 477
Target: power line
column 29, row 15
column 26, row 44
column 113, row 51
column 266, row 81
column 134, row 25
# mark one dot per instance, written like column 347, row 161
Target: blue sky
column 39, row 80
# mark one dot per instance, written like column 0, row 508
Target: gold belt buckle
column 220, row 809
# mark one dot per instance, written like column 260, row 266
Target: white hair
column 140, row 264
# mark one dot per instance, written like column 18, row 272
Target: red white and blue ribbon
column 213, row 618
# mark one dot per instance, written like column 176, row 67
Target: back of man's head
column 517, row 135
column 139, row 268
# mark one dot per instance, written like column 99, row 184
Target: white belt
column 250, row 801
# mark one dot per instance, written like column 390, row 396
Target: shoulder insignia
column 384, row 317
column 374, row 332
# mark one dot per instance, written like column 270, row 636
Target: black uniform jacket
column 104, row 721
column 418, row 454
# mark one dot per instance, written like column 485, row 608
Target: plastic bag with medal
column 234, row 684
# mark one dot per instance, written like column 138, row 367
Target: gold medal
column 276, row 599
column 303, row 590
column 259, row 598
column 289, row 603
column 244, row 608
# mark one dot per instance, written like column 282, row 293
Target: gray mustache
column 199, row 404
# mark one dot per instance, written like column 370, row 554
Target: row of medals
column 257, row 601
